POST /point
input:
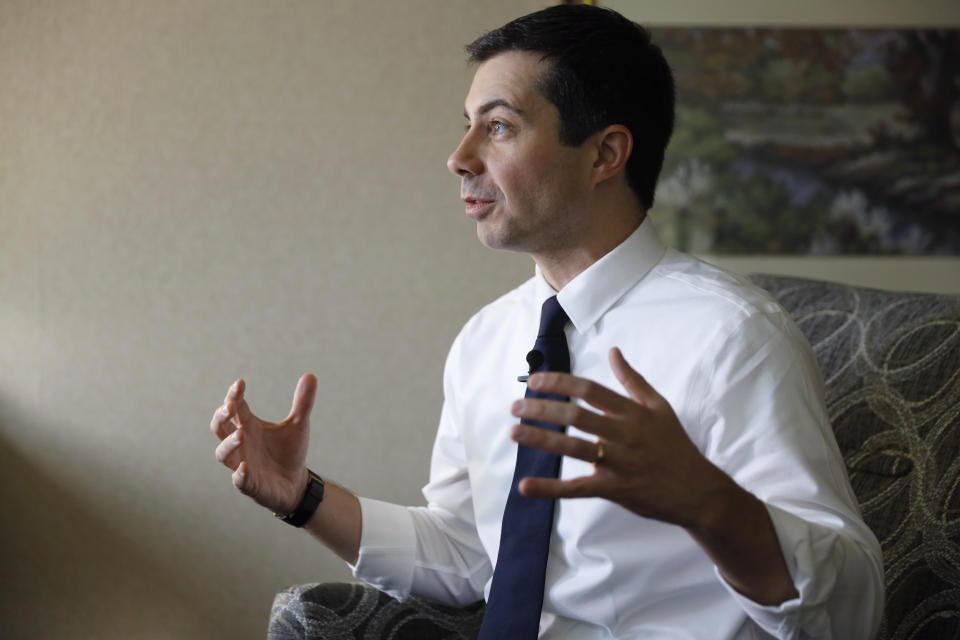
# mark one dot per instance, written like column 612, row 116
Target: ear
column 613, row 147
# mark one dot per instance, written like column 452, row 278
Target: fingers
column 233, row 413
column 597, row 395
column 550, row 488
column 235, row 397
column 239, row 478
column 557, row 443
column 242, row 412
column 635, row 384
column 303, row 398
column 228, row 451
column 565, row 384
column 221, row 424
column 563, row 445
column 566, row 413
column 235, row 391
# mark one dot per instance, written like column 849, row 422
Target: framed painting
column 813, row 141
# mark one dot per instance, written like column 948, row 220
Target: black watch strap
column 312, row 497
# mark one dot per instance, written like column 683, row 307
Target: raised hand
column 650, row 466
column 268, row 459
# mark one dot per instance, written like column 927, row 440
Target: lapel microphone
column 534, row 361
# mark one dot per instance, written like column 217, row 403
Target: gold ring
column 600, row 455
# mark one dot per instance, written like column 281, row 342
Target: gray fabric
column 345, row 611
column 891, row 362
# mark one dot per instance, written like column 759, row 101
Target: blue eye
column 498, row 127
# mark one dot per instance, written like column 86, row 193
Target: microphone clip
column 534, row 361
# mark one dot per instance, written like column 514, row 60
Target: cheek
column 518, row 181
column 539, row 176
column 539, row 181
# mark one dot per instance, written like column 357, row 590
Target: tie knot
column 552, row 318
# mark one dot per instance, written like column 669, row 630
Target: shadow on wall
column 67, row 574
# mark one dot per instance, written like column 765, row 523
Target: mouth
column 477, row 207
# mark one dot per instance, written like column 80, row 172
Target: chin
column 504, row 233
column 496, row 238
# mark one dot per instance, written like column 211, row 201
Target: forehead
column 512, row 77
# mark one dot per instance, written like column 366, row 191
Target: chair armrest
column 341, row 610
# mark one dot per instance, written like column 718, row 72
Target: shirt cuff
column 807, row 552
column 387, row 547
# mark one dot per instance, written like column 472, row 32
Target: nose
column 465, row 160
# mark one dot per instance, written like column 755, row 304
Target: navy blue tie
column 516, row 593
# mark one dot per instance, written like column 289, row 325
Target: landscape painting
column 813, row 141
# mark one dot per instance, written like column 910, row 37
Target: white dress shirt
column 743, row 383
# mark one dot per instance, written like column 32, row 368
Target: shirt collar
column 592, row 292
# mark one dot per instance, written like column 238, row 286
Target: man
column 705, row 500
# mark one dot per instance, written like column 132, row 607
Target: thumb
column 303, row 398
column 635, row 384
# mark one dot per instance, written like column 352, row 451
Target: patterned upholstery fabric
column 345, row 611
column 891, row 362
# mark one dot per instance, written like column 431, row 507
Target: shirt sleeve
column 432, row 552
column 767, row 427
column 839, row 584
column 387, row 545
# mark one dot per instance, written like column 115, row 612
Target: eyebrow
column 490, row 105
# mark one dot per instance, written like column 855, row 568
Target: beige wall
column 195, row 190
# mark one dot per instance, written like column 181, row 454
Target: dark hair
column 604, row 70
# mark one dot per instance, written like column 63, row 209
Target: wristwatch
column 312, row 497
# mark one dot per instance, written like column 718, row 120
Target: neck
column 562, row 264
